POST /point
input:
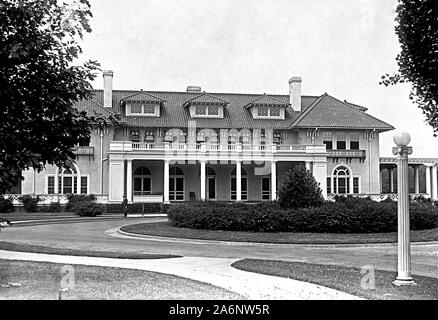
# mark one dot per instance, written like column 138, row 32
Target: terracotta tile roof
column 329, row 112
column 266, row 100
column 322, row 111
column 92, row 107
column 206, row 98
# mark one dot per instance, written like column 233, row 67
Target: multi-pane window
column 134, row 135
column 354, row 141
column 341, row 145
column 213, row 110
column 355, row 184
column 329, row 185
column 149, row 109
column 263, row 111
column 266, row 188
column 50, row 185
column 201, row 110
column 274, row 111
column 84, row 185
column 136, row 108
column 328, row 144
column 354, row 145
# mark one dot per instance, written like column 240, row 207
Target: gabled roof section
column 266, row 100
column 329, row 112
column 206, row 98
column 142, row 96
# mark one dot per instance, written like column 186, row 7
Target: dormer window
column 143, row 109
column 206, row 106
column 266, row 107
column 142, row 104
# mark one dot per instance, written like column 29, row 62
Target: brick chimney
column 295, row 93
column 108, row 88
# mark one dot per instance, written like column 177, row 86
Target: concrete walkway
column 215, row 271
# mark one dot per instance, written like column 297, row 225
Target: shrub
column 299, row 190
column 88, row 208
column 353, row 215
column 6, row 205
column 134, row 208
column 74, row 199
column 30, row 203
column 52, row 207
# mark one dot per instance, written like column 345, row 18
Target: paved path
column 214, row 271
column 92, row 236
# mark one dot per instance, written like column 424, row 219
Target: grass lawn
column 346, row 279
column 74, row 252
column 167, row 230
column 41, row 280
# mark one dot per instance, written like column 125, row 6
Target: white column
column 273, row 180
column 417, row 180
column 78, row 181
column 129, row 180
column 166, row 181
column 320, row 175
column 351, row 191
column 57, row 181
column 202, row 180
column 238, row 181
column 428, row 191
column 434, row 183
column 116, row 178
column 391, row 180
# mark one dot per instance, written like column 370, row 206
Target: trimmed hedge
column 74, row 199
column 351, row 216
column 88, row 209
column 6, row 205
column 134, row 208
column 52, row 207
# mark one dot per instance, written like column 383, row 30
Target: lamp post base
column 404, row 282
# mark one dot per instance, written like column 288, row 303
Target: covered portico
column 422, row 176
column 203, row 173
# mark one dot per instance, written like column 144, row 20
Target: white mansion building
column 193, row 145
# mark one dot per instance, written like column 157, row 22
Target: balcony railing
column 346, row 153
column 84, row 151
column 202, row 147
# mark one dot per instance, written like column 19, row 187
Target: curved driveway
column 92, row 236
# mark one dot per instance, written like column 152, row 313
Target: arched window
column 142, row 181
column 176, row 184
column 341, row 180
column 244, row 185
column 67, row 180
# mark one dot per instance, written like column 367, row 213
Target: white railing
column 237, row 147
column 375, row 196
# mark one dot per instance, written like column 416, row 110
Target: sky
column 341, row 47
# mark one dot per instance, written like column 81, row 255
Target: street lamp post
column 402, row 151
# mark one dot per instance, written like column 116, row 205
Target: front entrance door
column 211, row 188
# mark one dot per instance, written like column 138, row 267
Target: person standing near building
column 125, row 206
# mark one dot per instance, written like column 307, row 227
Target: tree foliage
column 299, row 189
column 417, row 31
column 39, row 84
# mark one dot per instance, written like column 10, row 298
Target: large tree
column 40, row 82
column 417, row 31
